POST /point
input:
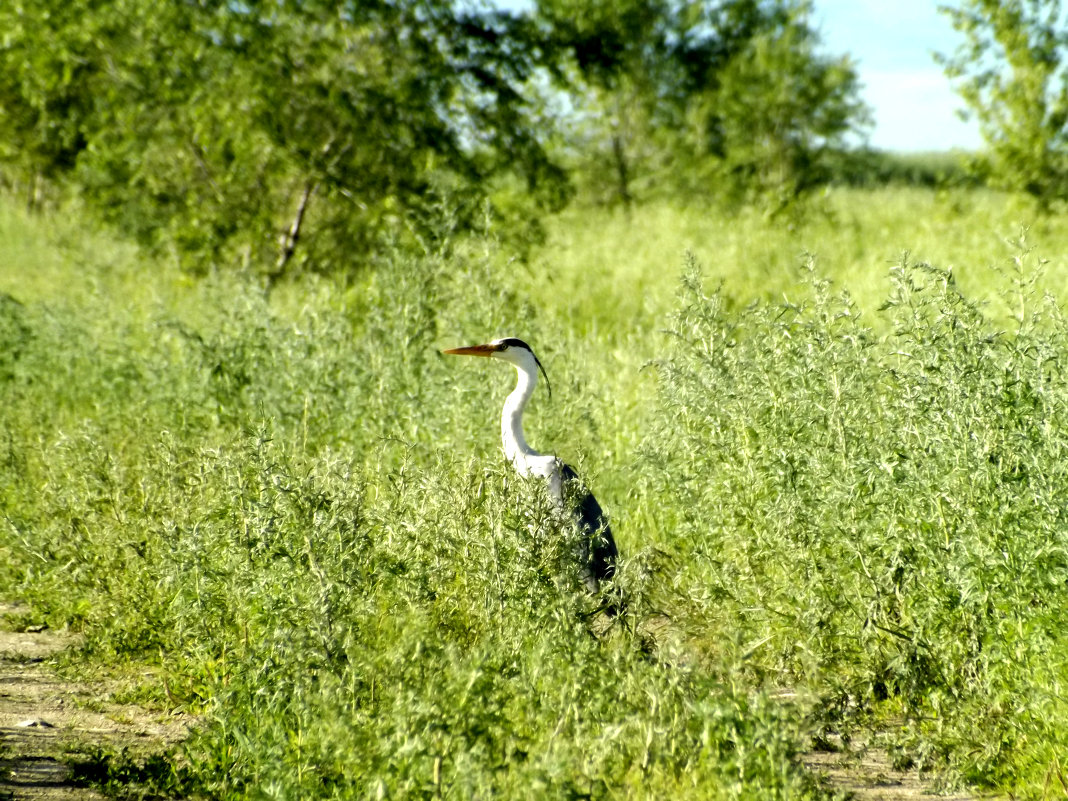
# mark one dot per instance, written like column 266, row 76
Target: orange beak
column 473, row 350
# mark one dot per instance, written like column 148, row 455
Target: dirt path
column 870, row 776
column 49, row 725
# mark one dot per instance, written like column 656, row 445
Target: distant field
column 849, row 507
column 604, row 268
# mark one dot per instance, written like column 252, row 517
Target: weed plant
column 879, row 518
column 306, row 521
column 299, row 511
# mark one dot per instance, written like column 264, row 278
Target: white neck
column 526, row 460
column 515, row 444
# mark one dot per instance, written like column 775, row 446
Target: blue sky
column 913, row 102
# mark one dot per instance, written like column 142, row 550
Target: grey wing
column 599, row 546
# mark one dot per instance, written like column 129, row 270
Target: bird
column 598, row 552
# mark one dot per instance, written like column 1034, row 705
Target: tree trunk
column 288, row 240
column 622, row 174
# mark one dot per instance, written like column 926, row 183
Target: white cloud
column 913, row 101
column 916, row 109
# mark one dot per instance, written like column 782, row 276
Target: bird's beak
column 473, row 350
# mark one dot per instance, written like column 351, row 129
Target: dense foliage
column 285, row 504
column 273, row 507
column 296, row 512
column 1013, row 71
column 730, row 100
column 231, row 131
column 320, row 134
column 880, row 515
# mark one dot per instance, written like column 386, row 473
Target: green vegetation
column 738, row 91
column 835, row 510
column 314, row 136
column 880, row 515
column 1014, row 78
column 819, row 390
column 229, row 134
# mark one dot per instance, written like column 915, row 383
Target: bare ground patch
column 868, row 774
column 49, row 724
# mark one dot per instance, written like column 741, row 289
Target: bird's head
column 509, row 349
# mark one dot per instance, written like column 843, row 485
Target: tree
column 627, row 86
column 45, row 92
column 704, row 96
column 1013, row 73
column 240, row 131
column 780, row 108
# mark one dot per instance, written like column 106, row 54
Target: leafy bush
column 879, row 517
column 272, row 508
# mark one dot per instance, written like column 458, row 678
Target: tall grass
column 300, row 511
column 610, row 274
column 880, row 518
column 305, row 520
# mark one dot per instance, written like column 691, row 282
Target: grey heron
column 598, row 551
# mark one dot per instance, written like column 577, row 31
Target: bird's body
column 599, row 552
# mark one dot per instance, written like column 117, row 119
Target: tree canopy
column 322, row 131
column 732, row 98
column 1013, row 74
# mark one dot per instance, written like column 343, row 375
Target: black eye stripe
column 513, row 342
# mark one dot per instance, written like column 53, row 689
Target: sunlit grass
column 611, row 275
column 296, row 507
column 605, row 281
